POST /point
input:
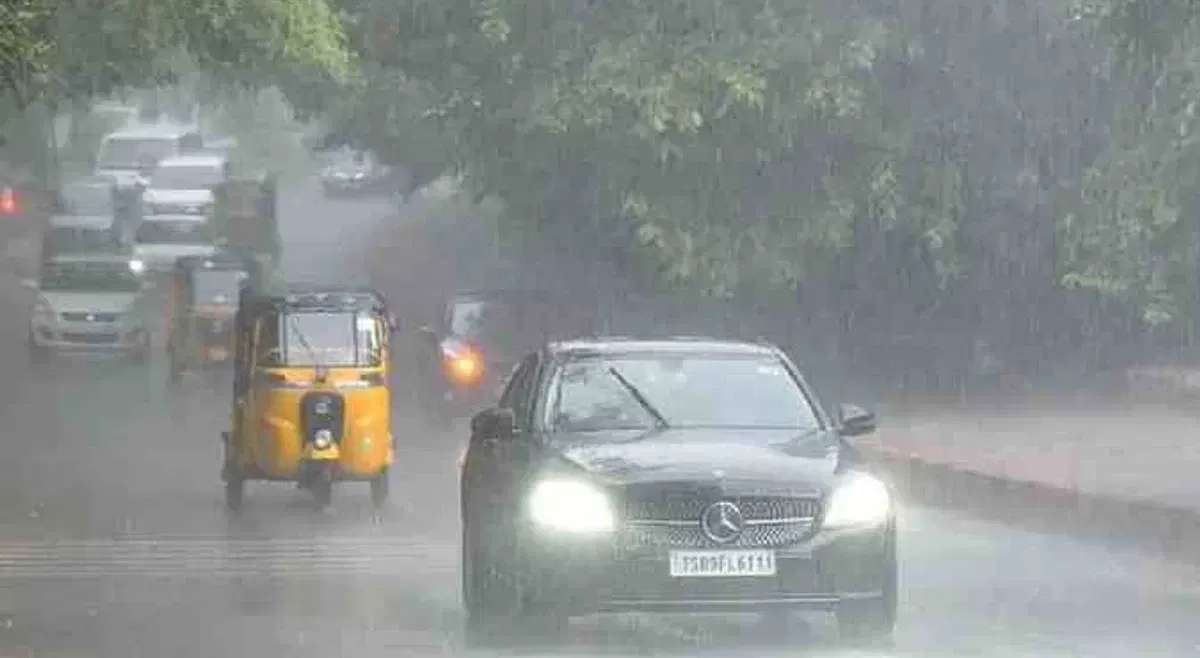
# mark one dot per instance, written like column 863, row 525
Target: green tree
column 732, row 144
column 1127, row 230
column 80, row 48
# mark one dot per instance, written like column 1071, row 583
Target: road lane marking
column 218, row 557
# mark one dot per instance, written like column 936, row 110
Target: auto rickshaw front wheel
column 235, row 490
column 322, row 490
column 380, row 485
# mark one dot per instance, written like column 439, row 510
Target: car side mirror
column 853, row 420
column 493, row 425
column 29, row 284
column 393, row 323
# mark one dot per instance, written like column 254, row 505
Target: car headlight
column 863, row 500
column 571, row 506
column 322, row 439
column 137, row 266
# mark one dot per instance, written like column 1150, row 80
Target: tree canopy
column 79, row 48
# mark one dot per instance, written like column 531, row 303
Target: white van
column 162, row 239
column 126, row 156
column 184, row 184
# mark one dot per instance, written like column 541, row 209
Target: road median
column 1118, row 471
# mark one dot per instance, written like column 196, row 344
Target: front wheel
column 379, row 489
column 497, row 610
column 235, row 489
column 321, row 486
column 872, row 622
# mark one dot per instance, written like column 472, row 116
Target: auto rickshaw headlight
column 322, row 439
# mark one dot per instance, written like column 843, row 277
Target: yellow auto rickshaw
column 311, row 403
column 204, row 295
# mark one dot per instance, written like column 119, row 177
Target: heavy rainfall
column 527, row 328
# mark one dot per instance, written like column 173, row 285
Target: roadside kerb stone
column 1125, row 474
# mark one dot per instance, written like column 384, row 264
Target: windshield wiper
column 659, row 420
column 319, row 368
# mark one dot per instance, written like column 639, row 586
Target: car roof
column 500, row 294
column 176, row 217
column 90, row 180
column 193, row 160
column 618, row 345
column 154, row 131
column 98, row 222
column 90, row 258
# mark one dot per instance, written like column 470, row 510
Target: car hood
column 182, row 197
column 164, row 255
column 122, row 178
column 90, row 302
column 88, row 222
column 755, row 458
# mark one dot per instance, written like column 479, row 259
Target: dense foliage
column 1023, row 169
column 1016, row 170
column 79, row 48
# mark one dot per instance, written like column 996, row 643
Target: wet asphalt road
column 114, row 542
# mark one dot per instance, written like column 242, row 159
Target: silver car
column 88, row 303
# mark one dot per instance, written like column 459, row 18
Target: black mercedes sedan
column 684, row 475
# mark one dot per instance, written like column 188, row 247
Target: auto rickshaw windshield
column 329, row 340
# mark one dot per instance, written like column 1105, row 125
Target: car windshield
column 216, row 286
column 679, row 391
column 78, row 240
column 185, row 178
column 347, row 160
column 331, row 340
column 89, row 277
column 184, row 231
column 87, row 200
column 134, row 152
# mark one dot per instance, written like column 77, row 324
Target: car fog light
column 571, row 506
column 137, row 266
column 322, row 439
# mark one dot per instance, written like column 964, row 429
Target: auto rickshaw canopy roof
column 308, row 297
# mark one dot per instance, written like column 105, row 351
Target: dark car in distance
column 683, row 475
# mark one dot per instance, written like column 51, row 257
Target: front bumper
column 67, row 338
column 821, row 573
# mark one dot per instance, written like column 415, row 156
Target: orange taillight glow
column 464, row 368
column 8, row 201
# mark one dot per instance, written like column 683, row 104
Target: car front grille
column 90, row 317
column 754, row 508
column 91, row 338
column 675, row 522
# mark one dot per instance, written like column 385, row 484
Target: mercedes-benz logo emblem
column 722, row 522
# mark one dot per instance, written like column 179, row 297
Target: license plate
column 722, row 564
column 217, row 354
